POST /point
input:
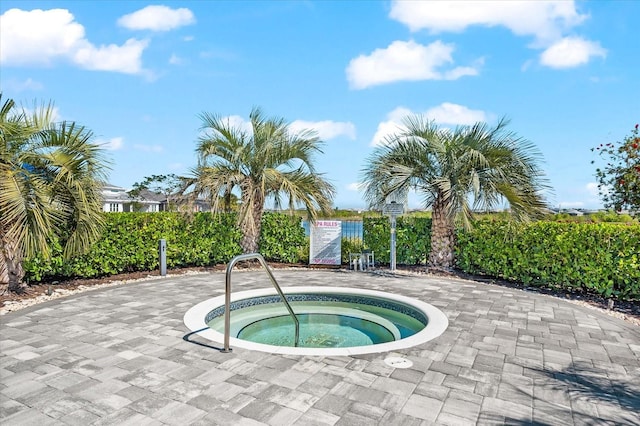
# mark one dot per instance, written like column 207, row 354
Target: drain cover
column 398, row 362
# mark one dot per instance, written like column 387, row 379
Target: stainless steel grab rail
column 227, row 296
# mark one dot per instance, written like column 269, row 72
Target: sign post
column 393, row 210
column 393, row 242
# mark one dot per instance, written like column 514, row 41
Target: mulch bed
column 628, row 310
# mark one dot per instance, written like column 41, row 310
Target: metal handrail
column 227, row 296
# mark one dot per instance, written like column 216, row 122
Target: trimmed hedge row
column 282, row 238
column 413, row 239
column 130, row 243
column 601, row 257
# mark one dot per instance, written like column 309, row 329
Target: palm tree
column 49, row 188
column 267, row 162
column 456, row 172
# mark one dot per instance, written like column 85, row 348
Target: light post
column 162, row 253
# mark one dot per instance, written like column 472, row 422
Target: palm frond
column 268, row 163
column 49, row 181
column 480, row 163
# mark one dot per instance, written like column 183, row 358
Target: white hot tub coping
column 194, row 319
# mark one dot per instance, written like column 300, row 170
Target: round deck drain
column 398, row 362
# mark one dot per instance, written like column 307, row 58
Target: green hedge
column 130, row 243
column 600, row 257
column 413, row 239
column 282, row 237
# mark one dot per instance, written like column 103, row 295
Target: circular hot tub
column 332, row 321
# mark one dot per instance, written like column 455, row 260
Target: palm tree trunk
column 250, row 238
column 442, row 236
column 11, row 272
column 251, row 224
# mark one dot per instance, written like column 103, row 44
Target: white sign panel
column 393, row 209
column 326, row 239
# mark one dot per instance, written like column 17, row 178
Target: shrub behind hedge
column 413, row 239
column 130, row 243
column 601, row 257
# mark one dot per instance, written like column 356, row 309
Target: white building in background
column 116, row 199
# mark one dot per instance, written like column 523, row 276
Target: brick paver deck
column 117, row 356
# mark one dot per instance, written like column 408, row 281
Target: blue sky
column 138, row 74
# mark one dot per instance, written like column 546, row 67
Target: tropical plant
column 456, row 172
column 619, row 180
column 267, row 162
column 50, row 179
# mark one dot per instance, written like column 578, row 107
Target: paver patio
column 118, row 356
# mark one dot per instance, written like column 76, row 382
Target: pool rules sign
column 325, row 239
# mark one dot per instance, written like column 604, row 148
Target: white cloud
column 176, row 167
column 448, row 113
column 24, row 85
column 544, row 20
column 571, row 204
column 594, row 192
column 148, row 148
column 157, row 18
column 405, row 61
column 571, row 52
column 55, row 116
column 222, row 54
column 458, row 72
column 126, row 58
column 113, row 144
column 355, row 186
column 37, row 36
column 445, row 113
column 587, row 194
column 592, row 189
column 41, row 37
column 175, row 59
column 237, row 122
column 547, row 22
column 392, row 125
column 326, row 129
column 234, row 122
column 526, row 65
